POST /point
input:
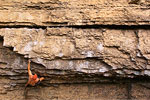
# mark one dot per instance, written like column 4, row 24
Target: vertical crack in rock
column 129, row 88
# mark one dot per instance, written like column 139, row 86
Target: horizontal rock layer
column 75, row 91
column 106, row 52
column 74, row 12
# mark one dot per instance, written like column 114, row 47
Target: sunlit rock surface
column 85, row 49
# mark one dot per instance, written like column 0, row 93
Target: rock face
column 86, row 50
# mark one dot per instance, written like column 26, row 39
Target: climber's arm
column 42, row 78
column 29, row 71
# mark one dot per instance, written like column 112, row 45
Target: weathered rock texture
column 85, row 49
column 74, row 12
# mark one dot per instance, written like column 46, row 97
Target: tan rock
column 117, row 48
column 65, row 12
column 85, row 49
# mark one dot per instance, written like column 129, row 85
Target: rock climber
column 33, row 79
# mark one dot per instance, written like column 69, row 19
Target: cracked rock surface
column 86, row 50
column 110, row 52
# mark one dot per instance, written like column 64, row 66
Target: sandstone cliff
column 86, row 49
